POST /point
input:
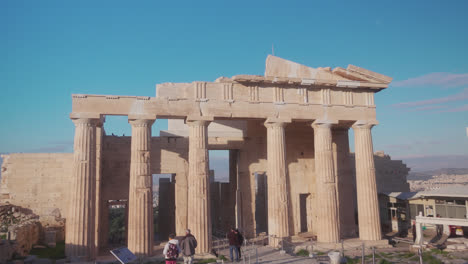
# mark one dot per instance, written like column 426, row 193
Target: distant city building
column 397, row 209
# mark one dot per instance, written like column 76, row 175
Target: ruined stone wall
column 252, row 159
column 169, row 155
column 301, row 171
column 38, row 182
column 390, row 174
column 21, row 226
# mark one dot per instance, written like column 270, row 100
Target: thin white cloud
column 53, row 149
column 414, row 144
column 55, row 146
column 431, row 107
column 462, row 108
column 463, row 95
column 431, row 162
column 442, row 79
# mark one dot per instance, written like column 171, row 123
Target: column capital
column 323, row 123
column 199, row 120
column 141, row 122
column 88, row 121
column 277, row 122
column 364, row 124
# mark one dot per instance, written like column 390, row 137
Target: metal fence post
column 342, row 248
column 256, row 255
column 373, row 255
column 363, row 254
column 420, row 256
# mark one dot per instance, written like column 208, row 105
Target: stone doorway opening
column 222, row 202
column 163, row 206
column 261, row 202
column 303, row 211
column 117, row 222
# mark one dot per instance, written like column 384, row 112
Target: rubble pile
column 20, row 229
column 457, row 244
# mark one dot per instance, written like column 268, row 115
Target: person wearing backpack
column 233, row 244
column 171, row 250
column 188, row 245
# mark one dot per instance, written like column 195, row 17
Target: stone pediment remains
column 278, row 70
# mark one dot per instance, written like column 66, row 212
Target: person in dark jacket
column 187, row 246
column 233, row 244
column 240, row 239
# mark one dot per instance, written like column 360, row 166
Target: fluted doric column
column 80, row 229
column 368, row 204
column 199, row 214
column 99, row 221
column 278, row 218
column 140, row 202
column 345, row 182
column 328, row 229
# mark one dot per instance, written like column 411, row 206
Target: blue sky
column 51, row 49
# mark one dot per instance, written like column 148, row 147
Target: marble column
column 368, row 204
column 80, row 224
column 235, row 205
column 345, row 182
column 140, row 202
column 278, row 218
column 181, row 195
column 199, row 214
column 328, row 226
column 99, row 221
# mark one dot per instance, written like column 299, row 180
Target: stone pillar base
column 275, row 241
column 204, row 256
column 353, row 243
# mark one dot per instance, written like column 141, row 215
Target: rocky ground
column 265, row 254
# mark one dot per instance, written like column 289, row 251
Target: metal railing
column 367, row 254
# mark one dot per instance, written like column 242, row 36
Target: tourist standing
column 171, row 250
column 240, row 240
column 439, row 228
column 233, row 244
column 187, row 246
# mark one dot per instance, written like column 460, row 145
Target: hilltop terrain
column 436, row 179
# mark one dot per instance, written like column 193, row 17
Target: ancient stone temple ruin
column 286, row 132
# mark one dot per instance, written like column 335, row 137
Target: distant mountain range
column 427, row 175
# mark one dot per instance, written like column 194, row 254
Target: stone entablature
column 166, row 108
column 253, row 89
column 288, row 90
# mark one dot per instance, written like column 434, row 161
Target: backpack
column 240, row 238
column 172, row 252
